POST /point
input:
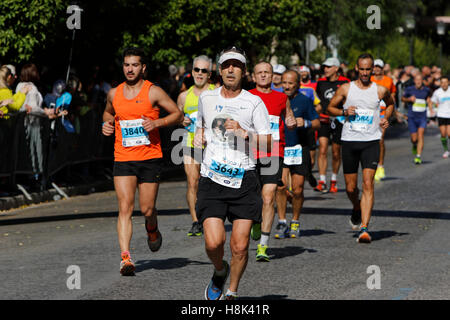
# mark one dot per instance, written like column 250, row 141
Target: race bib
column 293, row 155
column 133, row 133
column 362, row 121
column 193, row 117
column 275, row 127
column 341, row 119
column 419, row 105
column 226, row 174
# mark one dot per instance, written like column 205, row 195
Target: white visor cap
column 231, row 55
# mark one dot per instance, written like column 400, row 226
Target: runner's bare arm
column 387, row 98
column 337, row 99
column 180, row 103
column 289, row 118
column 158, row 97
column 108, row 114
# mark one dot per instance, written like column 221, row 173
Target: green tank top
column 190, row 110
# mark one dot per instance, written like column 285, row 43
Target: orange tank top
column 132, row 142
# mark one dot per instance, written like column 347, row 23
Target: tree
column 26, row 26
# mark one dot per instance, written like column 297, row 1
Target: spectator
column 29, row 75
column 13, row 101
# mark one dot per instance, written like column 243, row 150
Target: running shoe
column 333, row 186
column 214, row 290
column 364, row 236
column 445, row 155
column 256, row 231
column 294, row 231
column 230, row 296
column 281, row 231
column 355, row 220
column 261, row 254
column 127, row 266
column 380, row 174
column 321, row 187
column 414, row 150
column 196, row 230
column 154, row 239
column 418, row 160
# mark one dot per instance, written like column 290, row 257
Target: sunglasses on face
column 202, row 70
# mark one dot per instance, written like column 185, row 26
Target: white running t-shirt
column 442, row 99
column 226, row 158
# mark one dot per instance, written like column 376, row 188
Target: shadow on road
column 6, row 220
column 280, row 253
column 379, row 235
column 167, row 264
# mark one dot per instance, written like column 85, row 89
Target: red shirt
column 309, row 85
column 276, row 106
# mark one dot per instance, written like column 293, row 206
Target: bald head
column 262, row 75
column 290, row 81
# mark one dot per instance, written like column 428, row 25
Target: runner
column 269, row 165
column 441, row 97
column 417, row 98
column 132, row 111
column 379, row 78
column 308, row 88
column 305, row 78
column 330, row 128
column 278, row 70
column 188, row 103
column 297, row 160
column 360, row 135
column 229, row 120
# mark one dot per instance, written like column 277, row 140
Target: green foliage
column 25, row 26
column 182, row 29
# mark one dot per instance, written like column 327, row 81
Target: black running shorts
column 444, row 121
column 147, row 171
column 269, row 170
column 217, row 201
column 304, row 168
column 355, row 152
column 332, row 131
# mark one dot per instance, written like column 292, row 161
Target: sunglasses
column 202, row 70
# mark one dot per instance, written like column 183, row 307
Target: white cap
column 330, row 62
column 231, row 55
column 378, row 63
column 12, row 69
column 304, row 69
column 279, row 68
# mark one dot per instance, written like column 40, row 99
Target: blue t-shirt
column 419, row 108
column 302, row 107
column 280, row 89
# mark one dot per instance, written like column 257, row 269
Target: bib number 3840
column 133, row 133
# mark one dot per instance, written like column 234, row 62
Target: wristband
column 307, row 123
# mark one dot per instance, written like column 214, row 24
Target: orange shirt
column 385, row 82
column 133, row 109
column 388, row 83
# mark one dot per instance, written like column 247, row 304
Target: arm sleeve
column 435, row 98
column 311, row 112
column 19, row 99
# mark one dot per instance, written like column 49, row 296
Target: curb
column 14, row 202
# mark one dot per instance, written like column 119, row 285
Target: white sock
column 282, row 221
column 323, row 178
column 334, row 177
column 229, row 292
column 264, row 239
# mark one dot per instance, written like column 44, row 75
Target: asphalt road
column 410, row 248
